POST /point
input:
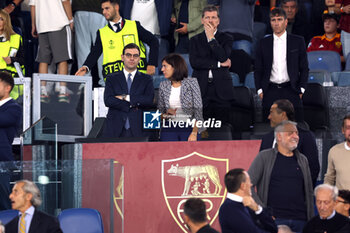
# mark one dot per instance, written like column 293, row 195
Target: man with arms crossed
column 126, row 93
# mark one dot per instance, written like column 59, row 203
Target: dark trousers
column 214, row 106
column 176, row 134
column 282, row 91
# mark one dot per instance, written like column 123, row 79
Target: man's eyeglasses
column 344, row 202
column 129, row 55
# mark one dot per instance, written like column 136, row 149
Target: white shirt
column 145, row 11
column 175, row 103
column 49, row 15
column 126, row 74
column 115, row 28
column 4, row 101
column 279, row 72
column 330, row 216
column 237, row 198
column 346, row 146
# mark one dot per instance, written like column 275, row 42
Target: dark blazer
column 297, row 63
column 144, row 36
column 234, row 218
column 41, row 222
column 141, row 96
column 204, row 56
column 10, row 121
column 307, row 146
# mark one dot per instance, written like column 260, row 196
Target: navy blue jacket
column 10, row 121
column 141, row 96
column 236, row 218
column 307, row 146
column 164, row 8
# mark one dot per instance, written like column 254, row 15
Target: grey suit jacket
column 190, row 97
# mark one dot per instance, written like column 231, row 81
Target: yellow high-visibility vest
column 113, row 44
column 5, row 50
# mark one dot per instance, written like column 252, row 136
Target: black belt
column 280, row 85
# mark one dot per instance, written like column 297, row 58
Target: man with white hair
column 328, row 219
column 25, row 198
column 282, row 179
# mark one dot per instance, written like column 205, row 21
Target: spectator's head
column 237, row 181
column 195, row 213
column 346, row 128
column 281, row 110
column 174, row 67
column 25, row 194
column 342, row 205
column 291, row 9
column 278, row 20
column 284, row 229
column 5, row 24
column 210, row 15
column 6, row 84
column 326, row 195
column 131, row 57
column 330, row 22
column 110, row 10
column 287, row 138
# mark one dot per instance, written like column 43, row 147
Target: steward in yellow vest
column 110, row 41
column 112, row 38
column 12, row 51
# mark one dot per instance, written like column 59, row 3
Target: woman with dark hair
column 11, row 49
column 179, row 101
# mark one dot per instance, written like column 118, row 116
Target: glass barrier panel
column 73, row 184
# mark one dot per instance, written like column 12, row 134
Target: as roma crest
column 194, row 175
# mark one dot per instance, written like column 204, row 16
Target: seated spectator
column 283, row 110
column 25, row 198
column 331, row 39
column 179, row 101
column 338, row 172
column 328, row 220
column 239, row 212
column 196, row 216
column 11, row 50
column 297, row 22
column 342, row 205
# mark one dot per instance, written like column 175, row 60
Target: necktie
column 22, row 224
column 1, row 38
column 118, row 27
column 129, row 82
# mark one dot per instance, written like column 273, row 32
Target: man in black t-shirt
column 281, row 179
